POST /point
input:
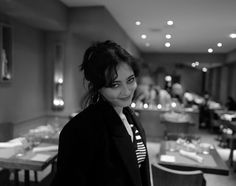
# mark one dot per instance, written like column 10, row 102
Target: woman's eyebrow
column 117, row 81
column 131, row 76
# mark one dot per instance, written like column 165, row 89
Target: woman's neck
column 119, row 110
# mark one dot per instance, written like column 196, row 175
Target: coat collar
column 132, row 118
column 122, row 140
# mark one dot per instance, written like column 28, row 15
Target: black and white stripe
column 140, row 149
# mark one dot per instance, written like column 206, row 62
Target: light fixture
column 232, row 35
column 145, row 105
column 133, row 105
column 138, row 23
column 210, row 50
column 60, row 80
column 159, row 106
column 58, row 102
column 170, row 22
column 193, row 65
column 168, row 78
column 168, row 36
column 219, row 44
column 173, row 104
column 58, row 76
column 167, row 44
column 143, row 36
column 204, row 69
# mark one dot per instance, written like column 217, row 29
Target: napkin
column 167, row 158
column 191, row 155
column 47, row 148
column 8, row 145
column 12, row 143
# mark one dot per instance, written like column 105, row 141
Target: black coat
column 96, row 149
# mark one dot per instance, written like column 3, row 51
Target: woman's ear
column 100, row 91
column 100, row 94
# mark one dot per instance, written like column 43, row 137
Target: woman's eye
column 114, row 85
column 131, row 80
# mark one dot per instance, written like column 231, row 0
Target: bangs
column 110, row 75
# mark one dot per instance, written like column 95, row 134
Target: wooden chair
column 163, row 176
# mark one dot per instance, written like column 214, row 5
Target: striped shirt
column 136, row 138
column 139, row 146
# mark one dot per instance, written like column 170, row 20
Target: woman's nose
column 126, row 90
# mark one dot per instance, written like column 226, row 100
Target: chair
column 176, row 136
column 163, row 176
column 6, row 133
column 4, row 177
column 177, row 127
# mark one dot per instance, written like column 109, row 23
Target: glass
column 205, row 148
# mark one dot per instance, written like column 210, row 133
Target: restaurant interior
column 186, row 101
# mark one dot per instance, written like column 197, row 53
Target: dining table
column 31, row 159
column 178, row 156
column 232, row 137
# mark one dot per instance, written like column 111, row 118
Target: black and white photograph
column 117, row 93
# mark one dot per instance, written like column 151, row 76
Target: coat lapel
column 132, row 118
column 123, row 143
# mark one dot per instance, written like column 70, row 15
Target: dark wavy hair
column 99, row 67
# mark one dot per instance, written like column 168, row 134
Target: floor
column 207, row 137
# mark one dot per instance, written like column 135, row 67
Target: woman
column 104, row 145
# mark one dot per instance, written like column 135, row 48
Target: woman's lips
column 126, row 98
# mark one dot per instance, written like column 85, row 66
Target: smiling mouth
column 125, row 98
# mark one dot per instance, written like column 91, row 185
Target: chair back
column 163, row 176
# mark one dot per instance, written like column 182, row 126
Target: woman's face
column 121, row 92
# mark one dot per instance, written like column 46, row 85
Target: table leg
column 27, row 178
column 231, row 151
column 35, row 176
column 16, row 178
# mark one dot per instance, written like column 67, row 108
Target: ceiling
column 198, row 24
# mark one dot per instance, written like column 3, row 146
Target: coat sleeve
column 76, row 152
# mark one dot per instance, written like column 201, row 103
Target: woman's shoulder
column 84, row 122
column 87, row 114
column 90, row 114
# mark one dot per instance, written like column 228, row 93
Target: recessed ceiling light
column 147, row 44
column 168, row 36
column 196, row 63
column 219, row 44
column 232, row 35
column 170, row 22
column 143, row 36
column 138, row 23
column 193, row 65
column 210, row 50
column 167, row 44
